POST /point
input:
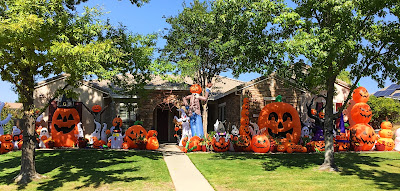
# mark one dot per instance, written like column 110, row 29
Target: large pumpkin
column 195, row 88
column 64, row 127
column 361, row 113
column 278, row 119
column 132, row 134
column 260, row 144
column 152, row 143
column 386, row 125
column 360, row 95
column 220, row 145
column 364, row 135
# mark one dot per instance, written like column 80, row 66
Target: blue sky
column 149, row 19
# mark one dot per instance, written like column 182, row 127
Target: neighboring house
column 392, row 91
column 158, row 108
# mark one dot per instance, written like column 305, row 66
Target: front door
column 162, row 125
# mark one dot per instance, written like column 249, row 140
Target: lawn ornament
column 64, row 124
column 5, row 121
column 194, row 112
column 96, row 108
column 360, row 95
column 17, row 137
column 260, row 144
column 80, row 130
column 185, row 121
column 103, row 134
column 193, row 144
column 151, row 133
column 244, row 120
column 116, row 139
column 397, row 140
column 220, row 143
column 152, row 143
column 134, row 135
column 386, row 135
column 361, row 113
column 117, row 123
column 43, row 136
column 363, row 136
column 219, row 128
column 386, row 125
column 96, row 132
column 254, row 129
column 281, row 148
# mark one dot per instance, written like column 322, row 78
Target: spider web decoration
column 169, row 100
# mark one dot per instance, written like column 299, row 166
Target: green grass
column 90, row 170
column 234, row 171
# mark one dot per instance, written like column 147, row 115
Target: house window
column 127, row 112
column 221, row 111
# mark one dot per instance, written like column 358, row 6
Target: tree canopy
column 384, row 109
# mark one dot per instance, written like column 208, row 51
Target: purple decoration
column 319, row 134
column 341, row 124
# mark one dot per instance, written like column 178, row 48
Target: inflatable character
column 196, row 122
column 185, row 120
column 5, row 121
column 96, row 132
column 116, row 139
column 80, row 130
column 17, row 137
column 103, row 134
column 43, row 136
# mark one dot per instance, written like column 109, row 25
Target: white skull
column 235, row 131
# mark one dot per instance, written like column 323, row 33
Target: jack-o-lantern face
column 364, row 135
column 6, row 147
column 64, row 127
column 244, row 121
column 117, row 122
column 279, row 119
column 281, row 148
column 386, row 125
column 361, row 113
column 125, row 145
column 360, row 95
column 320, row 145
column 6, row 138
column 98, row 144
column 221, row 145
column 388, row 143
column 195, row 88
column 245, row 106
column 243, row 143
column 96, row 108
column 132, row 133
column 152, row 133
column 321, row 115
column 152, row 143
column 386, row 133
column 260, row 144
column 246, row 101
column 244, row 130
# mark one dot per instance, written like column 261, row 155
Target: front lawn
column 359, row 171
column 90, row 170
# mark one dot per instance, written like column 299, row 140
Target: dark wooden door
column 162, row 125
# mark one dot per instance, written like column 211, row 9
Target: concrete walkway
column 183, row 172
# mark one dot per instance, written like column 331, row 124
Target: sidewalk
column 183, row 172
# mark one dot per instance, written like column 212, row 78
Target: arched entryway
column 163, row 122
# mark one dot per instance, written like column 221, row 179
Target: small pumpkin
column 321, row 115
column 246, row 101
column 220, row 145
column 313, row 112
column 152, row 143
column 96, row 108
column 386, row 125
column 388, row 142
column 260, row 144
column 117, row 122
column 152, row 133
column 244, row 121
column 184, row 141
column 194, row 144
column 281, row 148
column 386, row 133
column 364, row 135
column 6, row 147
column 290, row 149
column 195, row 88
column 125, row 145
column 360, row 95
column 244, row 113
column 6, row 138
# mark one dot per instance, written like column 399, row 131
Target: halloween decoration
column 96, row 108
column 185, row 123
column 152, row 143
column 64, row 124
column 318, row 145
column 135, row 135
column 386, row 125
column 184, row 141
column 80, row 130
column 219, row 128
column 96, row 132
column 82, row 142
column 116, row 139
column 361, row 113
column 397, row 140
column 103, row 133
column 6, row 147
column 220, row 143
column 244, row 120
column 363, row 135
column 5, row 121
column 43, row 136
column 117, row 122
column 388, row 142
column 386, row 135
column 281, row 148
column 243, row 143
column 152, row 133
column 193, row 144
column 125, row 145
column 260, row 144
column 196, row 122
column 17, row 136
column 360, row 95
column 278, row 119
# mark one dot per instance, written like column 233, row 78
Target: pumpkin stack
column 386, row 135
column 244, row 139
column 6, row 144
column 362, row 135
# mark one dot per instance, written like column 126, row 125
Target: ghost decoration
column 5, row 121
column 219, row 128
column 96, row 132
column 185, row 120
column 44, row 135
column 103, row 132
column 80, row 130
column 235, row 130
column 397, row 140
column 116, row 139
column 254, row 129
column 305, row 132
column 17, row 136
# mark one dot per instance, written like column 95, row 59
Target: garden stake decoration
column 4, row 121
column 64, row 123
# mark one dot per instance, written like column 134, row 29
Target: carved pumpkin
column 278, row 119
column 303, row 150
column 244, row 121
column 360, row 95
column 96, row 108
column 281, row 148
column 194, row 143
column 291, row 149
column 243, row 143
column 386, row 125
column 386, row 133
column 260, row 144
column 195, row 88
column 64, row 127
column 221, row 145
column 320, row 145
column 364, row 135
column 117, row 122
column 361, row 113
column 6, row 138
column 6, row 147
column 152, row 143
column 152, row 133
column 388, row 142
column 246, row 101
column 321, row 115
column 125, row 145
column 245, row 106
column 313, row 112
column 245, row 112
column 132, row 133
column 98, row 144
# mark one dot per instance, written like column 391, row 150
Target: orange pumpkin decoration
column 184, row 141
column 320, row 145
column 303, row 150
column 195, row 88
column 278, row 119
column 132, row 133
column 98, row 144
column 108, row 131
column 388, row 142
column 386, row 125
column 386, row 133
column 281, row 148
column 64, row 127
column 260, row 144
column 243, row 144
column 96, row 108
column 152, row 143
column 361, row 113
column 360, row 95
column 221, row 145
column 6, row 147
column 313, row 112
column 125, row 145
column 321, row 115
column 364, row 135
column 194, row 143
column 245, row 112
column 117, row 122
column 152, row 133
column 7, row 138
column 290, row 149
column 246, row 101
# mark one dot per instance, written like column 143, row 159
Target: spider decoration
column 169, row 100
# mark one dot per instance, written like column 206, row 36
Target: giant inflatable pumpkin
column 133, row 133
column 280, row 118
column 360, row 95
column 364, row 135
column 64, row 124
column 361, row 113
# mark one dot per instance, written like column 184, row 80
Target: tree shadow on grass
column 90, row 167
column 350, row 164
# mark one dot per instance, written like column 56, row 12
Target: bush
column 383, row 108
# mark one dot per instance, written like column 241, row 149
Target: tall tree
column 40, row 38
column 332, row 35
column 191, row 49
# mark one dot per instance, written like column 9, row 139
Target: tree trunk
column 329, row 162
column 205, row 118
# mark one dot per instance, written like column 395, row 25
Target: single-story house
column 158, row 108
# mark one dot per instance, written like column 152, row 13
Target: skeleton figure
column 185, row 120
